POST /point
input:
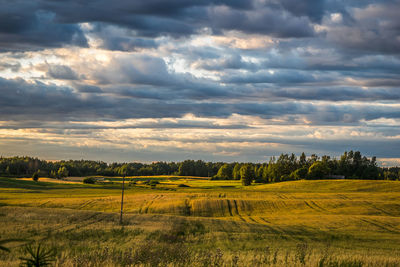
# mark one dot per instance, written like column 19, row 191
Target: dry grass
column 339, row 221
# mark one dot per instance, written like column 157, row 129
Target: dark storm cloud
column 18, row 97
column 138, row 69
column 190, row 92
column 84, row 88
column 63, row 127
column 27, row 25
column 298, row 57
column 338, row 93
column 265, row 21
column 148, row 77
column 114, row 38
column 14, row 67
column 234, row 61
column 374, row 28
column 149, row 18
column 279, row 77
column 379, row 147
column 314, row 9
column 24, row 26
column 21, row 101
column 126, row 44
column 76, row 10
column 61, row 72
column 313, row 64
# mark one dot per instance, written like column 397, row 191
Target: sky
column 229, row 80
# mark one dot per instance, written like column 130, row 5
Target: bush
column 183, row 185
column 154, row 182
column 151, row 182
column 35, row 176
column 37, row 255
column 89, row 180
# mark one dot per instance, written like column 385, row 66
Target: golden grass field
column 300, row 223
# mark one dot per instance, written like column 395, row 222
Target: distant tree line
column 29, row 166
column 350, row 165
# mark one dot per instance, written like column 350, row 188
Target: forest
column 287, row 167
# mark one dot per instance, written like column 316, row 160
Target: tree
column 200, row 169
column 313, row 158
column 351, row 165
column 318, row 170
column 225, row 172
column 259, row 172
column 186, row 168
column 390, row 175
column 35, row 176
column 247, row 174
column 236, row 172
column 272, row 173
column 302, row 160
column 299, row 174
column 62, row 172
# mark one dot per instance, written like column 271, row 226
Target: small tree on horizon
column 62, row 172
column 247, row 174
column 225, row 172
column 35, row 176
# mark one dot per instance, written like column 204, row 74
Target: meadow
column 193, row 221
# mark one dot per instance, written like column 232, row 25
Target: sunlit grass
column 357, row 220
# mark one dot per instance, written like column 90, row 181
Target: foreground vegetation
column 204, row 223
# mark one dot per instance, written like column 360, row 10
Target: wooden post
column 122, row 199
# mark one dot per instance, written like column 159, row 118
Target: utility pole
column 122, row 171
column 122, row 199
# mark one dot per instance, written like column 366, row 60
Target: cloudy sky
column 229, row 80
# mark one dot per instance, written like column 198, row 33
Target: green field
column 208, row 223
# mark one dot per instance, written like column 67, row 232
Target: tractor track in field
column 236, row 207
column 86, row 203
column 146, row 209
column 251, row 219
column 318, row 206
column 43, row 204
column 66, row 228
column 380, row 225
column 229, row 207
column 378, row 209
column 311, row 204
